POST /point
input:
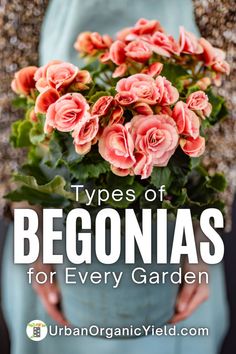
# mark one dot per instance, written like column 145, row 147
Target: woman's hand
column 50, row 296
column 190, row 295
column 48, row 293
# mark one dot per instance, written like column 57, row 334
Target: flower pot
column 129, row 304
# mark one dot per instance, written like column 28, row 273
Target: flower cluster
column 147, row 40
column 142, row 118
column 149, row 139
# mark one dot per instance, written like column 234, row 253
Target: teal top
column 66, row 19
column 21, row 306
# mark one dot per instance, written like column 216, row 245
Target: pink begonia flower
column 143, row 26
column 61, row 75
column 84, row 134
column 24, row 81
column 168, row 93
column 116, row 116
column 142, row 86
column 41, row 75
column 155, row 135
column 104, row 57
column 55, row 74
column 193, row 147
column 122, row 172
column 203, row 83
column 120, row 71
column 117, row 52
column 101, row 41
column 68, row 111
column 197, row 101
column 126, row 98
column 41, row 72
column 102, row 106
column 148, row 90
column 84, row 43
column 45, row 99
column 122, row 35
column 186, row 120
column 138, row 51
column 117, row 147
column 221, row 67
column 143, row 165
column 210, row 54
column 163, row 44
column 189, row 43
column 90, row 42
column 142, row 108
column 153, row 70
column 206, row 112
column 83, row 77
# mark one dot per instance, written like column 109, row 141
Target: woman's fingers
column 50, row 297
column 200, row 294
column 185, row 296
column 54, row 311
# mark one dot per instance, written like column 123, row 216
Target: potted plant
column 135, row 117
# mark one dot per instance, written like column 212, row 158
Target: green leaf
column 19, row 102
column 70, row 155
column 180, row 166
column 197, row 208
column 20, row 131
column 54, row 154
column 123, row 184
column 223, row 113
column 61, row 151
column 180, row 199
column 219, row 109
column 86, row 170
column 44, row 173
column 217, row 182
column 124, row 203
column 216, row 102
column 114, row 180
column 14, row 133
column 161, row 176
column 175, row 201
column 192, row 89
column 34, row 171
column 36, row 197
column 37, row 134
column 113, row 91
column 175, row 74
column 91, row 66
column 55, row 186
column 195, row 161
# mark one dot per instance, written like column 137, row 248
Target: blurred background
column 20, row 26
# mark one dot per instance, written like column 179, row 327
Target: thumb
column 53, row 297
column 184, row 297
column 53, row 294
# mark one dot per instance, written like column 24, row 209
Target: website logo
column 36, row 330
